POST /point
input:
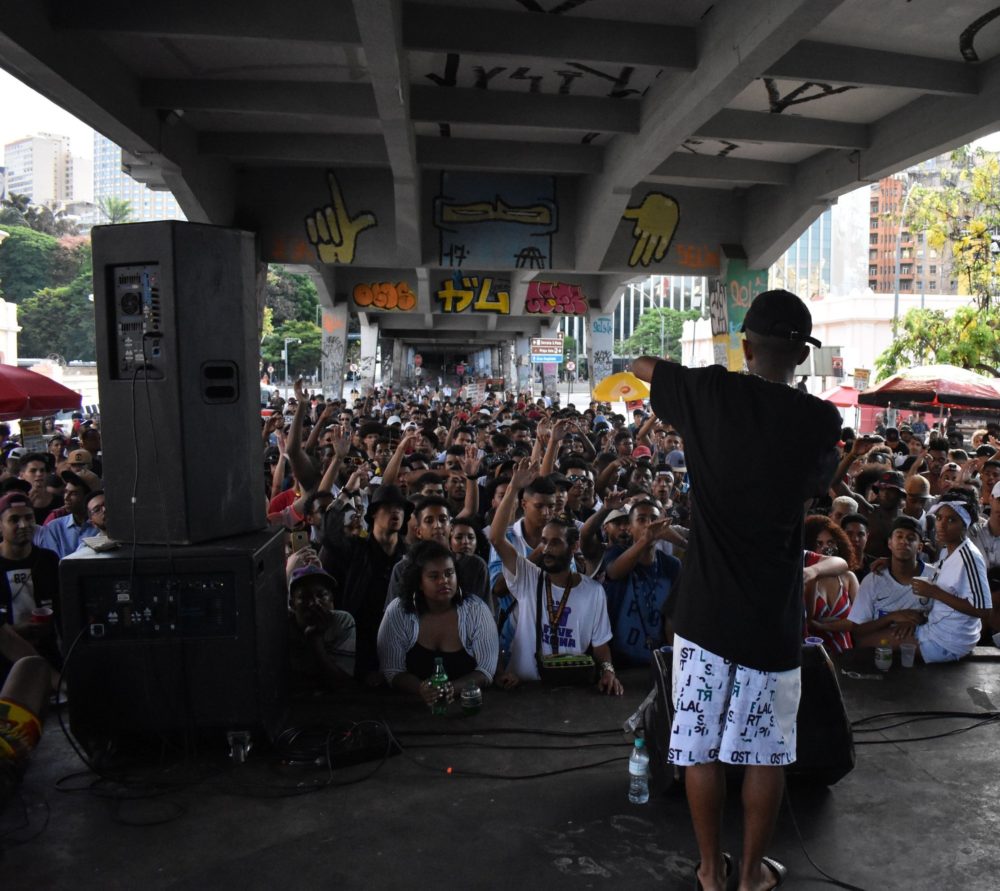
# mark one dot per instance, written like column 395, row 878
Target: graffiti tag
column 555, row 297
column 470, row 290
column 385, row 295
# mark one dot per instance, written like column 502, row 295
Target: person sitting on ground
column 828, row 600
column 957, row 584
column 22, row 698
column 433, row 618
column 575, row 617
column 321, row 638
column 885, row 597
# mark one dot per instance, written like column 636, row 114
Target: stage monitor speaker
column 177, row 358
column 171, row 642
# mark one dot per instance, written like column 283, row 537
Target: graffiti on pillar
column 655, row 221
column 603, row 365
column 332, row 364
column 602, row 325
column 458, row 294
column 555, row 297
column 366, row 372
column 386, row 296
column 493, row 220
column 332, row 230
column 386, row 363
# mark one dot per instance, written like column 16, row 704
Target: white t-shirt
column 963, row 574
column 584, row 621
column 880, row 594
column 987, row 542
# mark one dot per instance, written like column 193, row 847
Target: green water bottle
column 438, row 681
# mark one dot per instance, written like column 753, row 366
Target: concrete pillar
column 369, row 351
column 522, row 350
column 334, row 350
column 600, row 345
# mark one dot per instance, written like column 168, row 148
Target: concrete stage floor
column 913, row 815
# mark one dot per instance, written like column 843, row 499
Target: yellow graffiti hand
column 655, row 224
column 333, row 231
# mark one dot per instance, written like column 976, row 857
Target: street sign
column 546, row 349
column 571, row 366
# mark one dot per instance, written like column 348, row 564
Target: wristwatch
column 607, row 666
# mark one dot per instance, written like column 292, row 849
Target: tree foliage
column 291, row 296
column 17, row 210
column 114, row 210
column 26, row 262
column 303, row 358
column 646, row 338
column 59, row 320
column 963, row 217
column 970, row 338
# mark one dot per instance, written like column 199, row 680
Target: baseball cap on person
column 80, row 456
column 17, row 452
column 905, row 522
column 307, row 572
column 677, row 461
column 85, row 479
column 891, row 479
column 12, row 498
column 616, row 515
column 394, row 419
column 781, row 314
column 641, row 452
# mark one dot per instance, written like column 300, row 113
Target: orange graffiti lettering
column 385, row 295
column 695, row 256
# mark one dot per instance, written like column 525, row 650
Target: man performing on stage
column 738, row 613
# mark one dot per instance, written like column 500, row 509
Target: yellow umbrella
column 621, row 387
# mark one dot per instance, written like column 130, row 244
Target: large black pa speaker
column 175, row 642
column 177, row 359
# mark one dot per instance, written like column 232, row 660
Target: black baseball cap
column 781, row 314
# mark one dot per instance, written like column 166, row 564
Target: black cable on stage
column 805, row 850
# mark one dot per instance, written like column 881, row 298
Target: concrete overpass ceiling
column 514, row 143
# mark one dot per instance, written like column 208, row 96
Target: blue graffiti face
column 496, row 221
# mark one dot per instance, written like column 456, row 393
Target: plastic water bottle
column 438, row 680
column 638, row 773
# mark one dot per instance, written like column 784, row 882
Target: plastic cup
column 907, row 653
column 41, row 615
column 883, row 658
column 814, row 641
column 471, row 700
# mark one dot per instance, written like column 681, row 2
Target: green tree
column 657, row 334
column 963, row 218
column 59, row 320
column 970, row 338
column 27, row 258
column 303, row 358
column 114, row 210
column 13, row 209
column 291, row 296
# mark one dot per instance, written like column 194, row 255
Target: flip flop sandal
column 729, row 871
column 779, row 869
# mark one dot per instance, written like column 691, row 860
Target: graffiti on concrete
column 387, row 296
column 809, row 91
column 555, row 297
column 457, row 294
column 332, row 230
column 655, row 221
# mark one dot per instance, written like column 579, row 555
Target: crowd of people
column 517, row 540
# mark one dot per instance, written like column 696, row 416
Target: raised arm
column 590, row 535
column 396, row 461
column 302, row 466
column 558, row 434
column 317, row 429
column 524, row 472
column 470, row 467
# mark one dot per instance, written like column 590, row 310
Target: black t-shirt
column 755, row 451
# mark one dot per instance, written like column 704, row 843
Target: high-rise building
column 111, row 181
column 41, row 167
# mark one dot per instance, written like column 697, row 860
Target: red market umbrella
column 25, row 394
column 842, row 396
column 947, row 386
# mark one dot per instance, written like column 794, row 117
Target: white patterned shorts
column 727, row 712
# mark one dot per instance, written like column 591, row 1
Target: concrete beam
column 96, row 88
column 257, row 96
column 927, row 127
column 381, row 28
column 757, row 126
column 329, row 21
column 829, row 63
column 497, row 154
column 297, row 148
column 490, row 32
column 737, row 39
column 685, row 165
column 503, row 108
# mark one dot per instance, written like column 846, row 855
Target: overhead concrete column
column 600, row 345
column 334, row 350
column 522, row 350
column 369, row 352
column 389, row 368
column 401, row 368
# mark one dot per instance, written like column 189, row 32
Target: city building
column 40, row 167
column 111, row 181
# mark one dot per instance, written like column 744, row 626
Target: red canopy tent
column 941, row 386
column 25, row 394
column 841, row 396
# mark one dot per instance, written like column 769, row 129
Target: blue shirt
column 64, row 535
column 636, row 605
